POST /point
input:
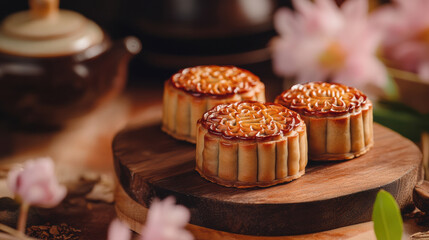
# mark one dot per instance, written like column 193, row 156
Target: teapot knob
column 44, row 8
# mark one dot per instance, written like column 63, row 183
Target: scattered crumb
column 54, row 232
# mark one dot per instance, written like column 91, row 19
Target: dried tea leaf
column 54, row 232
column 420, row 236
column 387, row 217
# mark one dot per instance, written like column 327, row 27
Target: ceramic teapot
column 56, row 64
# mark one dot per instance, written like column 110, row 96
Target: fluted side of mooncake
column 338, row 119
column 250, row 144
column 192, row 91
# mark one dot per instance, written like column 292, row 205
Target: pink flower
column 166, row 221
column 36, row 183
column 118, row 231
column 406, row 28
column 321, row 41
column 423, row 71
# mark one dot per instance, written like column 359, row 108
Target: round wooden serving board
column 330, row 195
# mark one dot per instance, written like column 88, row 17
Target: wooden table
column 82, row 147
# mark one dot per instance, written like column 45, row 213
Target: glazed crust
column 317, row 99
column 250, row 144
column 338, row 119
column 214, row 81
column 192, row 91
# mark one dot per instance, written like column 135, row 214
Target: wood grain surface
column 134, row 214
column 151, row 164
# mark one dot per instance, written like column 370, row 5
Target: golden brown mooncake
column 251, row 144
column 189, row 93
column 338, row 119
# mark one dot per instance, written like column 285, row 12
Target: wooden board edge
column 134, row 214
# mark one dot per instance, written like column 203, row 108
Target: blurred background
column 59, row 116
column 180, row 33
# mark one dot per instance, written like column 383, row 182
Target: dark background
column 126, row 17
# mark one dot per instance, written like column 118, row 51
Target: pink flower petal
column 326, row 5
column 311, row 74
column 423, row 72
column 284, row 22
column 355, row 10
column 118, row 231
column 12, row 179
column 329, row 42
column 403, row 25
column 36, row 183
column 166, row 221
column 328, row 16
column 362, row 73
column 408, row 55
column 284, row 60
column 304, row 7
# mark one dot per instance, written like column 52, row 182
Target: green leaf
column 391, row 89
column 386, row 217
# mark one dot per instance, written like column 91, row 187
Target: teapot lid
column 45, row 31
